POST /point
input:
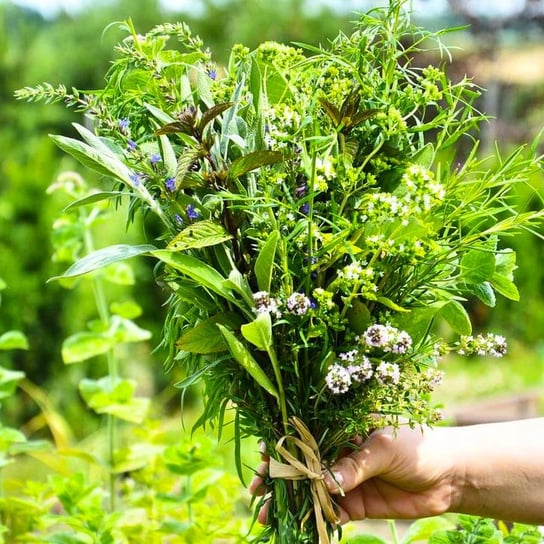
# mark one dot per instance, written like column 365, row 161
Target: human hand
column 395, row 474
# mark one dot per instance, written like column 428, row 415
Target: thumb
column 372, row 459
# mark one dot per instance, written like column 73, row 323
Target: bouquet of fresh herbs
column 316, row 217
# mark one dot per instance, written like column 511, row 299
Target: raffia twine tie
column 311, row 470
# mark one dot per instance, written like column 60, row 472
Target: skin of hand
column 494, row 470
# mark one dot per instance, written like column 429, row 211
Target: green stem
column 281, row 391
column 393, row 529
column 104, row 315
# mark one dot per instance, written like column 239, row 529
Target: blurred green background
column 502, row 50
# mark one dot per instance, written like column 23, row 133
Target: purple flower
column 155, row 158
column 178, row 219
column 212, row 73
column 170, row 184
column 131, row 145
column 192, row 213
column 123, row 125
column 301, row 190
column 305, row 209
column 298, row 304
column 136, row 178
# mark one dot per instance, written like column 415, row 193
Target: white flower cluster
column 339, row 378
column 296, row 304
column 489, row 344
column 355, row 367
column 389, row 339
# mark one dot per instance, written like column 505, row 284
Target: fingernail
column 262, row 446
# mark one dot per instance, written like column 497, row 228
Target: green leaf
column 124, row 330
column 477, row 266
column 485, row 293
column 159, row 114
column 239, row 284
column 13, row 340
column 252, row 161
column 197, row 235
column 425, row 156
column 84, row 345
column 358, row 316
column 259, row 332
column 128, row 309
column 210, row 114
column 103, row 257
column 92, row 199
column 195, row 269
column 505, row 286
column 8, row 381
column 9, row 436
column 264, row 264
column 205, row 337
column 246, row 360
column 457, row 317
column 388, row 303
column 505, row 263
column 119, row 273
column 422, row 529
column 418, row 322
column 115, row 397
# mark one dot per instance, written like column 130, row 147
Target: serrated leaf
column 197, row 235
column 246, row 360
column 457, row 317
column 205, row 337
column 185, row 177
column 13, row 340
column 477, row 266
column 264, row 264
column 211, row 113
column 331, row 110
column 103, row 257
column 85, row 345
column 252, row 161
column 259, row 331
